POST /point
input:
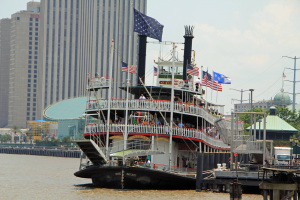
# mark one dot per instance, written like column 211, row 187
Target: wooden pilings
column 42, row 152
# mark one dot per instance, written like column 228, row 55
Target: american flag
column 155, row 71
column 284, row 76
column 125, row 68
column 147, row 25
column 216, row 86
column 192, row 70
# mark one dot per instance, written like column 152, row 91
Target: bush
column 5, row 138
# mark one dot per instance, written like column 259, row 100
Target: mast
column 172, row 104
column 109, row 95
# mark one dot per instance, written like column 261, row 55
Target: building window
column 33, row 118
column 30, row 33
column 29, row 61
column 29, row 75
column 29, row 85
column 29, row 66
column 34, row 90
column 35, row 48
column 35, row 66
column 28, row 90
column 29, row 80
column 30, row 19
column 34, row 99
column 37, row 19
column 34, row 81
column 18, row 18
column 36, row 43
column 28, row 94
column 36, row 38
column 30, row 28
column 28, row 113
column 28, row 99
column 34, row 109
column 35, row 71
column 33, row 113
column 28, row 104
column 28, row 109
column 34, row 85
column 29, row 71
column 36, row 33
column 34, row 95
column 28, row 118
column 30, row 24
column 30, row 43
column 35, row 62
column 34, row 104
column 30, row 38
column 35, row 57
column 35, row 52
column 36, row 24
column 35, row 76
column 30, row 47
column 36, row 29
column 29, row 57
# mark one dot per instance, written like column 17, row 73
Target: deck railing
column 158, row 130
column 163, row 105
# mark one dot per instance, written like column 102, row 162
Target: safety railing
column 162, row 105
column 155, row 129
column 97, row 82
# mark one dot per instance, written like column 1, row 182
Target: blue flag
column 147, row 25
column 219, row 77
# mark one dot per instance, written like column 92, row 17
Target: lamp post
column 291, row 141
column 251, row 90
column 259, row 121
column 296, row 141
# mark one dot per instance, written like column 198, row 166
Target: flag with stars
column 147, row 26
column 155, row 71
column 192, row 70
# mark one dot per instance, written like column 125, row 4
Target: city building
column 75, row 38
column 4, row 69
column 281, row 99
column 23, row 67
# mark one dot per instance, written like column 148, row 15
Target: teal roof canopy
column 66, row 109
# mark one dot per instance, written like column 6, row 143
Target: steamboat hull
column 136, row 178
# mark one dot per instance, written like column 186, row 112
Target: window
column 29, row 57
column 28, row 113
column 28, row 118
column 30, row 19
column 28, row 90
column 29, row 71
column 35, row 48
column 29, row 85
column 29, row 66
column 35, row 57
column 35, row 76
column 34, row 81
column 34, row 104
column 36, row 38
column 34, row 109
column 28, row 99
column 35, row 71
column 34, row 85
column 34, row 95
column 29, row 61
column 29, row 75
column 30, row 38
column 36, row 19
column 34, row 99
column 18, row 18
column 29, row 80
column 30, row 43
column 30, row 28
column 30, row 47
column 28, row 94
column 30, row 33
column 36, row 24
column 34, row 90
column 36, row 43
column 28, row 109
column 36, row 29
column 33, row 118
column 36, row 33
column 35, row 66
column 28, row 104
column 35, row 62
column 35, row 52
column 30, row 24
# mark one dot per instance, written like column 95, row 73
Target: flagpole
column 206, row 89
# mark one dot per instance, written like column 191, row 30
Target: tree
column 286, row 114
column 247, row 118
column 15, row 129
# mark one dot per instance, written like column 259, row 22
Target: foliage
column 286, row 114
column 66, row 139
column 5, row 138
column 247, row 118
column 15, row 129
column 47, row 142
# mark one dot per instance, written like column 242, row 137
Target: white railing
column 158, row 130
column 163, row 105
column 97, row 82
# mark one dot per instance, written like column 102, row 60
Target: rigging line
column 269, row 87
column 262, row 72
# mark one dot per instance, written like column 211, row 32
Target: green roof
column 67, row 109
column 282, row 98
column 274, row 123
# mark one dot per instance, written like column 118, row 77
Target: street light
column 259, row 121
column 291, row 141
column 296, row 141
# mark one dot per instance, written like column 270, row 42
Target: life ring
column 181, row 83
column 102, row 80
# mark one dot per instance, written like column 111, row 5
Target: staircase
column 224, row 135
column 92, row 151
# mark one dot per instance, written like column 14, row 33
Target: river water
column 43, row 177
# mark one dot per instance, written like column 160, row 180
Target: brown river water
column 43, row 177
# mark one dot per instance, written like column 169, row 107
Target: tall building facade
column 75, row 38
column 4, row 69
column 23, row 73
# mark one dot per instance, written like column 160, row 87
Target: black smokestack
column 187, row 48
column 142, row 58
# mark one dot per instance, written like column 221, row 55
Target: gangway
column 92, row 151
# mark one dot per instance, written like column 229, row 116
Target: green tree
column 247, row 118
column 15, row 129
column 5, row 138
column 66, row 139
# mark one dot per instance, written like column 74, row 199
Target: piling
column 235, row 191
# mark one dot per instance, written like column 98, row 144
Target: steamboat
column 151, row 141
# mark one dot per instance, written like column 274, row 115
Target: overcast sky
column 244, row 40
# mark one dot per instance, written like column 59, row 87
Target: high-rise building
column 75, row 37
column 4, row 70
column 23, row 71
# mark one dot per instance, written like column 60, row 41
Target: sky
column 244, row 40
